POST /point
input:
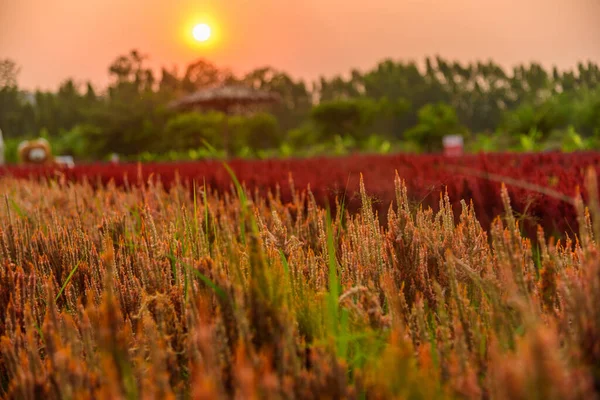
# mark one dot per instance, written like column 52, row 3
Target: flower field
column 476, row 178
column 131, row 291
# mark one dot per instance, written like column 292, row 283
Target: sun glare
column 201, row 32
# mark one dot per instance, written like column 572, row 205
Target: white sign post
column 1, row 149
column 453, row 145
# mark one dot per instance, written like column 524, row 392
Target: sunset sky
column 58, row 39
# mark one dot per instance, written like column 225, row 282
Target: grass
column 193, row 293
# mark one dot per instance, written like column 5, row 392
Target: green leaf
column 67, row 280
column 218, row 291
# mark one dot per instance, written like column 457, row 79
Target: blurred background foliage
column 394, row 107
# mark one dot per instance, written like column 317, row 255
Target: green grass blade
column 333, row 290
column 67, row 280
column 284, row 262
column 243, row 201
column 18, row 209
column 218, row 291
column 205, row 200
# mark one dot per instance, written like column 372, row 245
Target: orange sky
column 58, row 39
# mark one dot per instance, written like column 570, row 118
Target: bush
column 11, row 153
column 81, row 142
column 486, row 143
column 573, row 141
column 255, row 132
column 350, row 118
column 586, row 115
column 305, row 135
column 435, row 122
column 190, row 130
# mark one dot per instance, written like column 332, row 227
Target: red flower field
column 535, row 181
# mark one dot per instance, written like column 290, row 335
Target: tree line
column 394, row 106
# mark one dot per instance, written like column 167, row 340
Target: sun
column 201, row 32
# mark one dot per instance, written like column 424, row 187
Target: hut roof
column 225, row 96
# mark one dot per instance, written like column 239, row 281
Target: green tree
column 190, row 130
column 16, row 113
column 256, row 132
column 554, row 113
column 203, row 74
column 352, row 118
column 435, row 121
column 586, row 112
column 9, row 72
column 130, row 119
column 296, row 101
column 169, row 82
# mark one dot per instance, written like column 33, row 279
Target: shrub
column 190, row 130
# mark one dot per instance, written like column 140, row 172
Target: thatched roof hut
column 226, row 99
